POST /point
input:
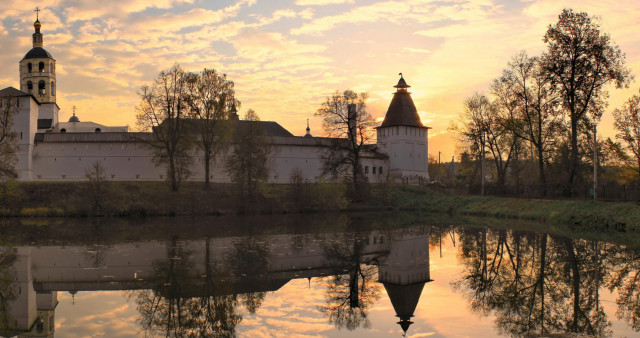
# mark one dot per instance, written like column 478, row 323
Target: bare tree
column 533, row 110
column 8, row 109
column 485, row 126
column 346, row 119
column 97, row 187
column 248, row 162
column 627, row 123
column 210, row 97
column 580, row 61
column 163, row 111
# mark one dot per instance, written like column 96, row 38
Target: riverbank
column 135, row 199
column 584, row 215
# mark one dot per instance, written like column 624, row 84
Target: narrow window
column 380, row 171
column 366, row 169
column 374, row 170
column 41, row 67
column 53, row 88
column 29, row 87
column 41, row 87
column 29, row 67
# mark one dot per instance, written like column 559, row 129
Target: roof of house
column 10, row 91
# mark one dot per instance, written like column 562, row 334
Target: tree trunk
column 207, row 169
column 573, row 165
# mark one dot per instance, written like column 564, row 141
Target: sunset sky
column 285, row 57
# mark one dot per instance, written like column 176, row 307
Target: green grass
column 586, row 215
column 133, row 199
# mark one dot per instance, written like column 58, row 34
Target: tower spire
column 37, row 36
column 308, row 134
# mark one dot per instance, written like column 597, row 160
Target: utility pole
column 482, row 163
column 595, row 163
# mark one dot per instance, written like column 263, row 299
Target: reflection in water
column 203, row 287
column 536, row 283
column 7, row 292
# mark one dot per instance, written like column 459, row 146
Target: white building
column 51, row 150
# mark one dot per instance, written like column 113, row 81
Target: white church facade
column 52, row 150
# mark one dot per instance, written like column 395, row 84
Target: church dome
column 74, row 118
column 37, row 25
column 38, row 53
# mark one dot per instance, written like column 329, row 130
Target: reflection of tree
column 7, row 259
column 533, row 283
column 181, row 304
column 624, row 276
column 164, row 309
column 248, row 261
column 352, row 290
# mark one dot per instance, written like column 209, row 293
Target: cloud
column 321, row 2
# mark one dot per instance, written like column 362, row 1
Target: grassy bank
column 584, row 215
column 41, row 199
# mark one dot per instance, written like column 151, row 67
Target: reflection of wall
column 46, row 269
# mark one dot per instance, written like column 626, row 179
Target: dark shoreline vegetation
column 31, row 201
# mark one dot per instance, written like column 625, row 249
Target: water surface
column 317, row 276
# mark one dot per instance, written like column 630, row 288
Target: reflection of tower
column 405, row 271
column 45, row 324
column 31, row 312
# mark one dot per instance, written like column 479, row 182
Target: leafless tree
column 163, row 111
column 525, row 92
column 211, row 99
column 627, row 123
column 248, row 162
column 8, row 109
column 346, row 119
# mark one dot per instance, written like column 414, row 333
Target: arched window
column 98, row 130
column 41, row 87
column 63, row 130
column 29, row 87
column 41, row 67
column 29, row 67
column 51, row 68
column 53, row 88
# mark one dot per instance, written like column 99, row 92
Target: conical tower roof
column 402, row 111
column 404, row 299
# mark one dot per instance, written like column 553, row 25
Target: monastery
column 52, row 150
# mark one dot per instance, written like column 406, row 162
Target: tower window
column 29, row 87
column 29, row 67
column 53, row 88
column 374, row 170
column 41, row 67
column 41, row 87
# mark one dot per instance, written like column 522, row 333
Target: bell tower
column 38, row 69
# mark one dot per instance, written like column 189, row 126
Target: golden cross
column 37, row 10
